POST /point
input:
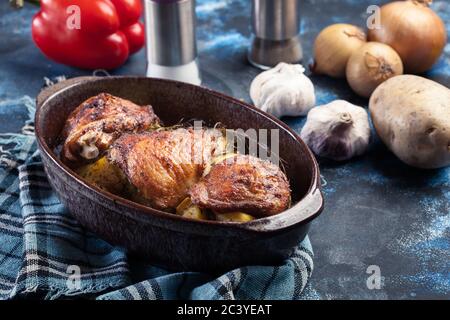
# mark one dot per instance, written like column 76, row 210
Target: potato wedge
column 234, row 217
column 105, row 175
column 187, row 209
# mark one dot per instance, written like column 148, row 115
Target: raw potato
column 411, row 115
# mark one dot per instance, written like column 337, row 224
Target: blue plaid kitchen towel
column 45, row 253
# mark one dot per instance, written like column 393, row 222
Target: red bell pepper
column 89, row 34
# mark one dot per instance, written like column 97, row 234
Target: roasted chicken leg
column 94, row 125
column 163, row 165
column 243, row 184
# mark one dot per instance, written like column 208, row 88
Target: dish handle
column 301, row 213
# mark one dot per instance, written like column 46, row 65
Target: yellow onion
column 333, row 47
column 414, row 30
column 370, row 65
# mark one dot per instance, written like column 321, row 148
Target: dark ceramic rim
column 305, row 210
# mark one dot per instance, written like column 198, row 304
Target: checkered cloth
column 45, row 253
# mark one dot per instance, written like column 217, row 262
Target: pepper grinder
column 171, row 40
column 276, row 25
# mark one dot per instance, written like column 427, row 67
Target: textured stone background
column 378, row 211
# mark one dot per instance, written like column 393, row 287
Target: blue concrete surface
column 378, row 210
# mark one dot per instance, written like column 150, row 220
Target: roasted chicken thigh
column 94, row 125
column 163, row 165
column 243, row 183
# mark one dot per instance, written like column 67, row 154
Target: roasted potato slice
column 234, row 217
column 104, row 175
column 187, row 209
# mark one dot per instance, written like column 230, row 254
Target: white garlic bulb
column 283, row 91
column 338, row 130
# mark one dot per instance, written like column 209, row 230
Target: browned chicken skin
column 244, row 184
column 94, row 125
column 165, row 168
column 163, row 165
